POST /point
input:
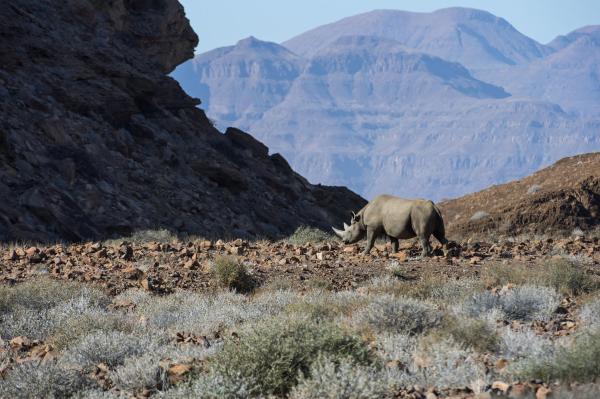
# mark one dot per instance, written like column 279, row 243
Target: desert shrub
column 100, row 394
column 578, row 362
column 158, row 235
column 479, row 215
column 590, row 313
column 229, row 272
column 471, row 333
column 210, row 386
column 46, row 380
column 71, row 329
column 564, row 275
column 429, row 286
column 318, row 283
column 305, row 235
column 314, row 311
column 529, row 302
column 499, row 275
column 568, row 277
column 45, row 293
column 399, row 314
column 396, row 347
column 342, row 379
column 525, row 302
column 445, row 364
column 519, row 344
column 209, row 314
column 584, row 391
column 139, row 373
column 34, row 324
column 269, row 356
column 534, row 188
column 454, row 290
column 111, row 348
column 277, row 284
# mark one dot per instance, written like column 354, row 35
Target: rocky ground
column 165, row 266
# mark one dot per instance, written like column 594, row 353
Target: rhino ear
column 337, row 232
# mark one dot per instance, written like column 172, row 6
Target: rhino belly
column 398, row 227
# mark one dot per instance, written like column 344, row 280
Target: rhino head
column 352, row 233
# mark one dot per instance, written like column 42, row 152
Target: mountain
column 97, row 141
column 570, row 76
column 415, row 104
column 474, row 38
column 253, row 76
column 559, row 198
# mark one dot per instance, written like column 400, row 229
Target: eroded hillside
column 560, row 198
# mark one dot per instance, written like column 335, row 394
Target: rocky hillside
column 431, row 105
column 560, row 198
column 96, row 140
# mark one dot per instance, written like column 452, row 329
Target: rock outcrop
column 96, row 141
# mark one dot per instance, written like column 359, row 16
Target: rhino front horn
column 337, row 232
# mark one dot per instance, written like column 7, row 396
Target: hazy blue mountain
column 240, row 81
column 475, row 38
column 570, row 76
column 421, row 105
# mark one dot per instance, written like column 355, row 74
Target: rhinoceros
column 396, row 218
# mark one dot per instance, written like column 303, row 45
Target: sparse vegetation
column 305, row 234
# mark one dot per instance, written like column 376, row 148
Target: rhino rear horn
column 346, row 227
column 337, row 232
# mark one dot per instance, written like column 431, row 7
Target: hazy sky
column 224, row 22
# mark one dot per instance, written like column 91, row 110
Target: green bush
column 268, row 358
column 579, row 362
column 229, row 272
column 305, row 235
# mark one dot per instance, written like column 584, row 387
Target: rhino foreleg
column 370, row 241
column 395, row 243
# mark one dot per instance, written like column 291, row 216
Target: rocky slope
column 560, row 198
column 96, row 140
column 378, row 101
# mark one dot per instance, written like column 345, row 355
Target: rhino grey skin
column 398, row 219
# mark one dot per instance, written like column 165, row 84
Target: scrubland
column 506, row 330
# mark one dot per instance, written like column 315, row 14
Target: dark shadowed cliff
column 96, row 140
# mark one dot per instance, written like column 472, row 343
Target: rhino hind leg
column 395, row 244
column 426, row 246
